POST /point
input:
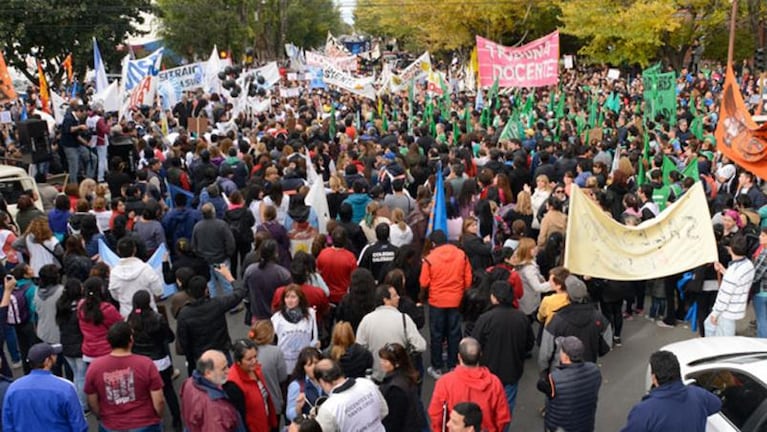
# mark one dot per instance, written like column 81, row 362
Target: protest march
column 346, row 239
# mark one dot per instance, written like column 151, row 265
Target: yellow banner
column 679, row 239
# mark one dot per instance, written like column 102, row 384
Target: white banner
column 415, row 71
column 290, row 92
column 347, row 63
column 271, row 74
column 358, row 86
column 109, row 98
column 679, row 239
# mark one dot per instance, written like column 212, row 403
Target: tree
column 51, row 29
column 447, row 25
column 192, row 27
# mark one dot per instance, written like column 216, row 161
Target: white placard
column 613, row 74
column 568, row 61
column 292, row 76
column 5, row 117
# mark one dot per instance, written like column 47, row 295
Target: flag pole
column 733, row 18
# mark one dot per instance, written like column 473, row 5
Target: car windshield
column 11, row 190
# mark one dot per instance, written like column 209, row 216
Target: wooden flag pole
column 733, row 19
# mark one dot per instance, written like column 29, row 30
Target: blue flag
column 101, row 75
column 174, row 190
column 438, row 217
column 24, row 115
column 136, row 70
column 111, row 259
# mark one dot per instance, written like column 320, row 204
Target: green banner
column 660, row 96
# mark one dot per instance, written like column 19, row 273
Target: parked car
column 732, row 368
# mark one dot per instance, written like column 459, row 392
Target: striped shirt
column 732, row 298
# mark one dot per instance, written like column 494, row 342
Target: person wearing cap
column 41, row 401
column 124, row 389
column 445, row 276
column 571, row 389
column 671, row 405
column 506, row 337
column 470, row 382
column 579, row 319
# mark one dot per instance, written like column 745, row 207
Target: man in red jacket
column 470, row 382
column 336, row 265
column 446, row 275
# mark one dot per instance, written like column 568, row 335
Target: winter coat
column 129, row 276
column 673, row 407
column 402, row 399
column 95, row 342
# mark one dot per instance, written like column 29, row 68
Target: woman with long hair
column 480, row 254
column 95, row 316
column 353, row 357
column 21, row 311
column 246, row 388
column 468, row 198
column 39, row 245
column 359, row 301
column 70, row 335
column 408, row 259
column 89, row 231
column 532, row 281
column 400, row 390
column 503, row 185
column 295, row 324
column 26, row 212
column 8, row 234
column 400, row 233
column 523, row 209
column 151, row 336
column 538, row 198
column 77, row 264
column 371, row 221
column 263, row 279
column 271, row 360
column 304, row 389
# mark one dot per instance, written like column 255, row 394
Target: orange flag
column 67, row 64
column 7, row 92
column 737, row 135
column 44, row 96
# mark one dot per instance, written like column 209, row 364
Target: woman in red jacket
column 95, row 316
column 247, row 390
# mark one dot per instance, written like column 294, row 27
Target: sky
column 347, row 10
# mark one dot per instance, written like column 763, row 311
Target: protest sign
column 197, row 125
column 660, row 95
column 359, row 86
column 533, row 65
column 569, row 63
column 5, row 117
column 292, row 76
column 184, row 78
column 136, row 70
column 144, row 92
column 414, row 71
column 737, row 135
column 346, row 63
column 679, row 239
column 270, row 72
column 290, row 92
column 613, row 74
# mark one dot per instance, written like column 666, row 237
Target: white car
column 735, row 370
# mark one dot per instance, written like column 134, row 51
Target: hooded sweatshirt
column 129, row 276
column 471, row 384
column 45, row 304
column 359, row 202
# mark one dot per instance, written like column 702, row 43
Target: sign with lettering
column 358, row 86
column 679, row 239
column 533, row 65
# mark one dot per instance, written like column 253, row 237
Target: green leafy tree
column 192, row 27
column 51, row 29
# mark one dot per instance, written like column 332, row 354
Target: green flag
column 410, row 102
column 332, row 125
column 384, row 124
column 660, row 96
column 691, row 170
column 560, row 110
column 445, row 97
column 593, row 106
column 456, row 133
column 668, row 166
column 613, row 102
column 510, row 130
column 467, row 119
column 641, row 176
column 492, row 96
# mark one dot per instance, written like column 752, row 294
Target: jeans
column 79, row 367
column 658, row 307
column 216, row 277
column 151, row 428
column 101, row 151
column 12, row 343
column 78, row 157
column 511, row 395
column 760, row 308
column 444, row 323
column 723, row 327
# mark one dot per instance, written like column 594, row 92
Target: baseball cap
column 41, row 351
column 573, row 347
column 576, row 289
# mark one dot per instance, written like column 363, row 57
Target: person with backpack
column 241, row 222
column 21, row 311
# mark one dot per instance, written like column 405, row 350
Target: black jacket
column 378, row 258
column 401, row 396
column 201, row 324
column 355, row 361
column 581, row 320
column 153, row 341
column 479, row 253
column 71, row 336
column 572, row 392
column 506, row 336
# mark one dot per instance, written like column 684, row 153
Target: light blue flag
column 155, row 261
column 101, row 75
column 137, row 69
column 479, row 102
column 438, row 217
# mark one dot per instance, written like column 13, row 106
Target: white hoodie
column 129, row 276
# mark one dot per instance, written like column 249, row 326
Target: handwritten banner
column 346, row 63
column 359, row 86
column 533, row 65
column 679, row 239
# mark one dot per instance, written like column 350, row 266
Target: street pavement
column 623, row 373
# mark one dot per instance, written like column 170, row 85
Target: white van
column 13, row 182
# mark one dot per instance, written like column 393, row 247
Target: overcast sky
column 347, row 9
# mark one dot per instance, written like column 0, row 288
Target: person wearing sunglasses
column 400, row 389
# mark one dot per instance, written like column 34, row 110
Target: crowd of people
column 335, row 303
